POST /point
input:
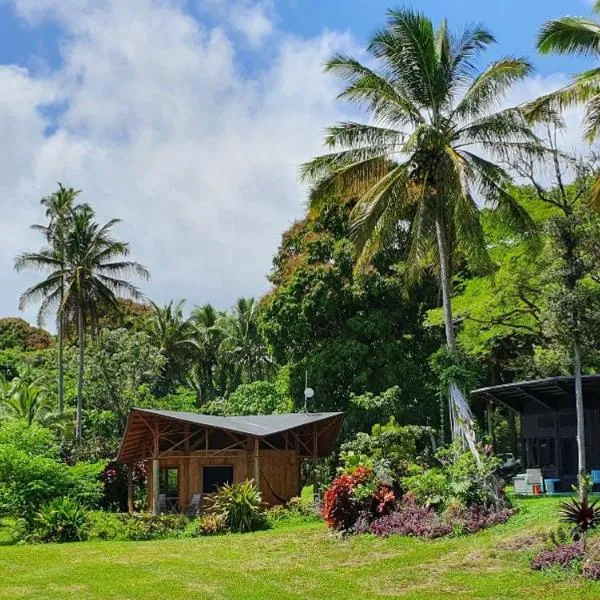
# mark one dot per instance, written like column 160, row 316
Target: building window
column 215, row 477
column 167, row 482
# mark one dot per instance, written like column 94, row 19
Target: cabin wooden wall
column 280, row 473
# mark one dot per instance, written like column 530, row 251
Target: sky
column 188, row 120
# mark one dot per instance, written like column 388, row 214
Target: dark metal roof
column 551, row 393
column 143, row 426
column 256, row 425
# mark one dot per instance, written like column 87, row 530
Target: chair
column 162, row 503
column 194, row 506
column 595, row 478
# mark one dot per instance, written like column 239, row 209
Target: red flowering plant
column 355, row 496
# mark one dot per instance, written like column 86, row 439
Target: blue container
column 551, row 485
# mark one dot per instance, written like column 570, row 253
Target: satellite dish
column 309, row 392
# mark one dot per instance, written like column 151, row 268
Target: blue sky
column 188, row 119
column 513, row 25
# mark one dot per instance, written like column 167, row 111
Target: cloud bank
column 188, row 125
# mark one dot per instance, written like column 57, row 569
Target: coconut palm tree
column 243, row 343
column 579, row 36
column 432, row 144
column 91, row 276
column 60, row 209
column 168, row 331
column 204, row 342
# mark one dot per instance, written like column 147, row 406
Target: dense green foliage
column 240, row 506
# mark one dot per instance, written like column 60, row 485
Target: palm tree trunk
column 78, row 427
column 581, row 467
column 445, row 281
column 60, row 363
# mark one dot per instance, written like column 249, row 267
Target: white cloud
column 162, row 126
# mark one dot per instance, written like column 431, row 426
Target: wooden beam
column 256, row 464
column 155, row 485
column 130, row 467
column 535, row 398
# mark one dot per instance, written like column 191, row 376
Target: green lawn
column 296, row 561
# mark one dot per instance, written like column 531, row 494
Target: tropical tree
column 168, row 331
column 204, row 341
column 579, row 36
column 90, row 275
column 434, row 141
column 243, row 343
column 59, row 210
column 27, row 399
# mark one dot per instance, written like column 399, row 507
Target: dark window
column 214, row 477
column 545, row 421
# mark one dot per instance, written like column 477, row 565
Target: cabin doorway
column 168, row 488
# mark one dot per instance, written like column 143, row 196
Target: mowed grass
column 296, row 561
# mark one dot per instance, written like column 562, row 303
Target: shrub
column 210, row 524
column 561, row 556
column 411, row 519
column 354, row 495
column 106, row 525
column 591, row 570
column 295, row 508
column 61, row 520
column 580, row 514
column 240, row 504
column 145, row 526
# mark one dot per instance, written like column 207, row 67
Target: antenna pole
column 305, row 388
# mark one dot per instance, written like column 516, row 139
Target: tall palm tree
column 93, row 275
column 60, row 209
column 244, row 344
column 204, row 340
column 432, row 144
column 579, row 36
column 168, row 330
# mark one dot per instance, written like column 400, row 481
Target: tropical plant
column 62, row 520
column 29, row 401
column 243, row 343
column 582, row 515
column 60, row 210
column 240, row 505
column 169, row 330
column 89, row 274
column 430, row 148
column 579, row 36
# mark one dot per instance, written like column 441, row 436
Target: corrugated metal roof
column 256, row 425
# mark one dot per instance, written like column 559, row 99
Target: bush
column 581, row 515
column 240, row 504
column 145, row 526
column 294, row 509
column 561, row 556
column 28, row 482
column 107, row 526
column 61, row 520
column 210, row 524
column 591, row 570
column 354, row 495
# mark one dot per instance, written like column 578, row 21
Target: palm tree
column 91, row 275
column 432, row 145
column 168, row 330
column 31, row 402
column 204, row 341
column 243, row 343
column 579, row 36
column 60, row 209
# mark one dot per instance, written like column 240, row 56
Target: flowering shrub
column 211, row 524
column 561, row 556
column 353, row 495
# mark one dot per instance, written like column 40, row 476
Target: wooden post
column 256, row 464
column 155, row 486
column 130, row 488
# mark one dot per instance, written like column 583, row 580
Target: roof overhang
column 549, row 394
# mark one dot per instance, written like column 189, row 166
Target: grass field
column 297, row 561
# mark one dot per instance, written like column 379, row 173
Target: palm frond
column 570, row 35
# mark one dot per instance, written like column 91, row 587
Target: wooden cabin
column 546, row 409
column 190, row 453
